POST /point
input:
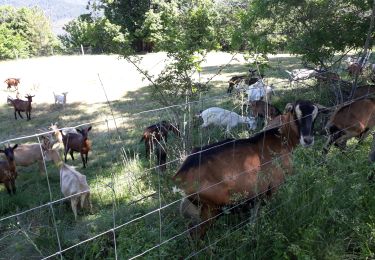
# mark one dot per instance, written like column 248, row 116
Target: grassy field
column 324, row 211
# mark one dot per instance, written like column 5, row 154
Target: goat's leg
column 65, row 153
column 8, row 187
column 364, row 135
column 19, row 113
column 74, row 203
column 83, row 160
column 13, row 183
column 148, row 147
column 207, row 215
column 332, row 138
column 71, row 154
column 15, row 114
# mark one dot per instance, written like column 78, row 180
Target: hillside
column 60, row 12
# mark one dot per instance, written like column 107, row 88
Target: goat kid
column 300, row 74
column 8, row 172
column 263, row 109
column 327, row 77
column 156, row 133
column 12, row 82
column 222, row 117
column 72, row 182
column 60, row 98
column 259, row 91
column 22, row 106
column 77, row 143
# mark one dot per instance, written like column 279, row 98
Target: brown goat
column 22, row 106
column 327, row 77
column 364, row 91
column 355, row 119
column 259, row 109
column 235, row 171
column 12, row 82
column 156, row 133
column 77, row 143
column 8, row 173
column 161, row 156
column 354, row 69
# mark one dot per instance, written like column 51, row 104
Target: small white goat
column 258, row 91
column 300, row 74
column 72, row 182
column 60, row 98
column 222, row 117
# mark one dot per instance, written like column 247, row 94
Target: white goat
column 72, row 182
column 300, row 74
column 258, row 91
column 60, row 98
column 222, row 117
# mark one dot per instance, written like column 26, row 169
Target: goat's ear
column 289, row 107
column 88, row 129
column 15, row 146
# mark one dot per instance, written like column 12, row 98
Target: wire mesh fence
column 135, row 212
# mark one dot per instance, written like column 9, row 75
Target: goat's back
column 20, row 104
column 72, row 181
column 73, row 141
column 26, row 154
column 356, row 116
column 232, row 167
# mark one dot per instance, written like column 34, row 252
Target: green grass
column 324, row 211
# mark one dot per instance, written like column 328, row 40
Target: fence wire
column 114, row 180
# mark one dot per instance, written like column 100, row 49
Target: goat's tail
column 142, row 139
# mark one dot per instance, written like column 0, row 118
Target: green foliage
column 130, row 15
column 175, row 84
column 168, row 25
column 316, row 29
column 25, row 32
column 11, row 45
column 97, row 33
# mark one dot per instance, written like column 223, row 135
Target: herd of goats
column 218, row 175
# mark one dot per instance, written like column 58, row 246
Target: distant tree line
column 153, row 25
column 315, row 29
